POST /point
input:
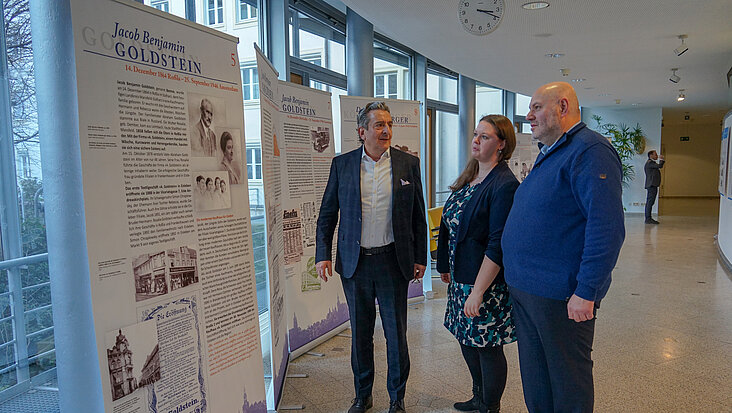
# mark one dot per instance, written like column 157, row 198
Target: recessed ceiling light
column 634, row 104
column 554, row 55
column 603, row 94
column 579, row 79
column 535, row 5
column 589, row 87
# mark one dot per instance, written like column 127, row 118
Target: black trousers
column 378, row 277
column 554, row 355
column 488, row 368
column 650, row 200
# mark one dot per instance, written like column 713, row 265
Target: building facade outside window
column 162, row 5
column 214, row 12
column 254, row 163
column 386, row 85
column 250, row 82
column 245, row 11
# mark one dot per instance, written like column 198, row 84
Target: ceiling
column 623, row 48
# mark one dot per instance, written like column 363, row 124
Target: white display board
column 523, row 157
column 167, row 214
column 404, row 114
column 724, row 161
column 314, row 307
column 272, row 170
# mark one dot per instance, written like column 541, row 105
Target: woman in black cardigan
column 469, row 258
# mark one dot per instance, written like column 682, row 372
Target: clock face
column 480, row 16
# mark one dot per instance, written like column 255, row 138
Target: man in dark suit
column 653, row 181
column 382, row 246
column 203, row 139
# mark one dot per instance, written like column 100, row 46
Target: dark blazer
column 653, row 172
column 343, row 193
column 480, row 228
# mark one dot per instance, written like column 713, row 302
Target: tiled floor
column 663, row 339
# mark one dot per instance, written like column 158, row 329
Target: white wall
column 634, row 195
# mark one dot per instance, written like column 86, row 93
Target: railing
column 23, row 369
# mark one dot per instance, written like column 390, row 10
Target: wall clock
column 480, row 17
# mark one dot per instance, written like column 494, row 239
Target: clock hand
column 488, row 12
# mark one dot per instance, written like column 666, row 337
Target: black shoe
column 652, row 221
column 489, row 409
column 397, row 406
column 472, row 404
column 361, row 405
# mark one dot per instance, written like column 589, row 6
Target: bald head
column 553, row 110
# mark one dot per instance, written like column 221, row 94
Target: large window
column 446, row 154
column 391, row 72
column 488, row 101
column 522, row 104
column 27, row 351
column 214, row 12
column 250, row 82
column 441, row 87
column 309, row 37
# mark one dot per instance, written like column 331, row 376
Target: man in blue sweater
column 560, row 244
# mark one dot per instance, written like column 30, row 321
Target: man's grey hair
column 203, row 102
column 363, row 114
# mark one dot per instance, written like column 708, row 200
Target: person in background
column 469, row 258
column 653, row 181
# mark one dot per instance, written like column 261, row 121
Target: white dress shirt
column 376, row 202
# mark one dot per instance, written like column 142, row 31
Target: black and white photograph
column 132, row 358
column 204, row 114
column 182, row 267
column 228, row 153
column 211, row 191
column 320, row 138
column 151, row 275
column 405, row 148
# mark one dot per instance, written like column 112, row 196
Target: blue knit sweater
column 565, row 229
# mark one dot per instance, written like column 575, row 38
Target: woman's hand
column 472, row 304
column 445, row 277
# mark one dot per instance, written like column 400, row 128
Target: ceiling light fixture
column 535, row 5
column 554, row 55
column 681, row 49
column 579, row 79
column 565, row 71
column 674, row 78
column 682, row 96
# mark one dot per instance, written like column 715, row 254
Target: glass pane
column 35, row 297
column 441, row 88
column 522, row 104
column 379, row 86
column 392, row 84
column 488, row 101
column 7, row 359
column 247, row 93
column 43, row 363
column 245, row 79
column 249, row 171
column 38, row 320
column 259, row 171
column 446, row 154
column 393, row 65
column 318, row 43
column 335, row 98
column 257, row 156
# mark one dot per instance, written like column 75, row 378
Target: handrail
column 17, row 262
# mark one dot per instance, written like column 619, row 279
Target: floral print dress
column 494, row 326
